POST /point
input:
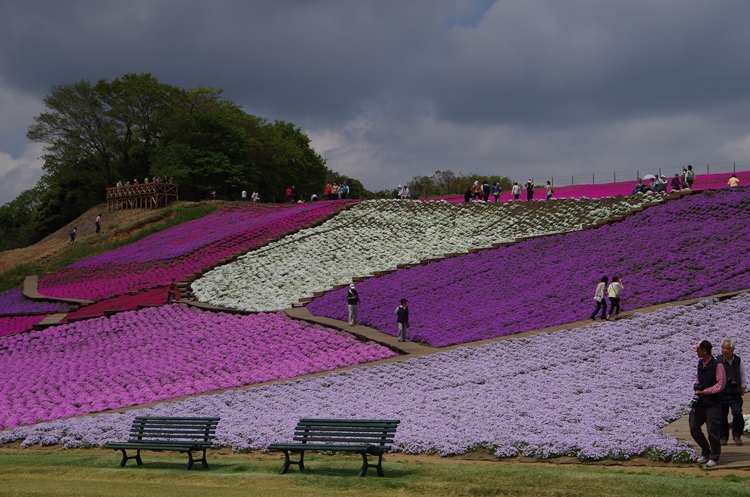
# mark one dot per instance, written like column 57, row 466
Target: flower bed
column 694, row 247
column 160, row 353
column 149, row 298
column 379, row 235
column 182, row 250
column 599, row 391
column 10, row 325
column 702, row 182
column 13, row 302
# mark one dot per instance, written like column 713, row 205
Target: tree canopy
column 134, row 127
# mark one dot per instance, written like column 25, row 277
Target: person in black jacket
column 352, row 300
column 706, row 408
column 402, row 318
column 731, row 396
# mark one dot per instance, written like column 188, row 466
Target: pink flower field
column 702, row 182
column 182, row 250
column 138, row 357
column 17, row 324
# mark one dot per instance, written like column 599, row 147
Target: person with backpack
column 731, row 396
column 689, row 177
column 73, row 235
column 496, row 191
column 344, row 191
column 402, row 319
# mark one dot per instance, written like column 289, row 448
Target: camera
column 733, row 384
column 696, row 398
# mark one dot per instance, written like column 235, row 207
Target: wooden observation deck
column 146, row 196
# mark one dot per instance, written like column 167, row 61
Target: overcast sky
column 388, row 90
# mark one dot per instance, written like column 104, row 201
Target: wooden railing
column 146, row 196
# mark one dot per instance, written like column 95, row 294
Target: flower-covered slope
column 379, row 235
column 10, row 325
column 599, row 391
column 139, row 357
column 182, row 250
column 13, row 302
column 694, row 247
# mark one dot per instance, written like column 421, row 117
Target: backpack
column 690, row 176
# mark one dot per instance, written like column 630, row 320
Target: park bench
column 361, row 436
column 177, row 434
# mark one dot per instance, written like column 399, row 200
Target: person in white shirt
column 613, row 291
column 516, row 191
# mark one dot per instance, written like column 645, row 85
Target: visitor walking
column 676, row 184
column 515, row 191
column 244, row 195
column 467, row 195
column 601, row 302
column 254, row 197
column 530, row 190
column 705, row 407
column 690, row 177
column 477, row 191
column 352, row 300
column 288, row 195
column 189, row 291
column 328, row 191
column 496, row 191
column 344, row 191
column 731, row 396
column 486, row 191
column 550, row 191
column 73, row 235
column 171, row 291
column 98, row 223
column 613, row 291
column 733, row 181
column 402, row 318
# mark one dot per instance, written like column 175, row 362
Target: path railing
column 146, row 196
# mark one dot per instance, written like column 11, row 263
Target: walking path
column 31, row 291
column 732, row 456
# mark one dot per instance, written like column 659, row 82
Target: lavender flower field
column 600, row 391
column 139, row 357
column 697, row 246
column 13, row 302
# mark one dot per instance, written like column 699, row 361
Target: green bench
column 362, row 436
column 183, row 435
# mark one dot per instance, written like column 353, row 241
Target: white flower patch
column 378, row 235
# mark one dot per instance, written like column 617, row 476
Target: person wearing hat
column 402, row 318
column 706, row 408
column 352, row 299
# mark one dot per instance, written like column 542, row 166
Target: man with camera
column 705, row 408
column 731, row 396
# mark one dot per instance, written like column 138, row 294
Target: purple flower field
column 160, row 353
column 600, row 391
column 13, row 302
column 694, row 247
column 11, row 325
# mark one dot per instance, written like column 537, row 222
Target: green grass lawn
column 94, row 472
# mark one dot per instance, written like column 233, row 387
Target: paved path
column 732, row 456
column 31, row 291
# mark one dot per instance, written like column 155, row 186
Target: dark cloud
column 392, row 89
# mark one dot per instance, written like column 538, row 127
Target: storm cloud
column 389, row 90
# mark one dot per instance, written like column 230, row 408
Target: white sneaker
column 702, row 460
column 711, row 463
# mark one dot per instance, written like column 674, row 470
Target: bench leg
column 203, row 461
column 190, row 460
column 125, row 457
column 366, row 465
column 287, row 462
